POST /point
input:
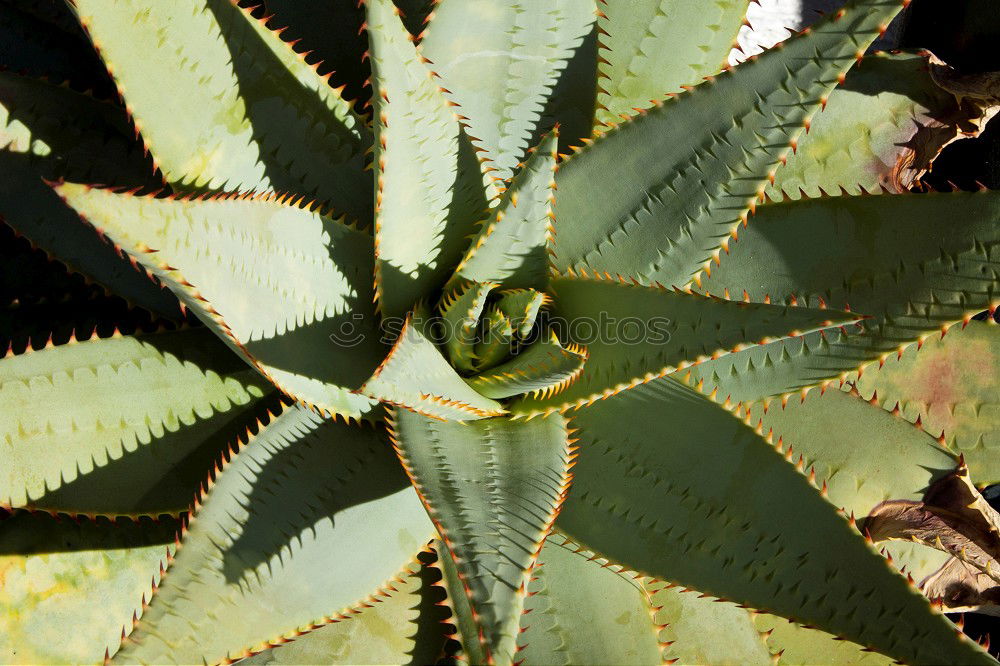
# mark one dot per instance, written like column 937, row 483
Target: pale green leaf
column 634, row 333
column 887, row 112
column 402, row 626
column 429, row 190
column 288, row 289
column 498, row 335
column 415, row 375
column 68, row 588
column 128, row 425
column 500, row 59
column 227, row 105
column 652, row 198
column 653, row 47
column 493, row 488
column 949, row 383
column 511, row 248
column 583, row 611
column 303, row 523
column 916, row 263
column 695, row 497
column 460, row 312
column 522, row 306
column 543, row 368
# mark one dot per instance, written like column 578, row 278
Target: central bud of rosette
column 481, row 344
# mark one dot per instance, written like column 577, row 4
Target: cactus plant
column 447, row 378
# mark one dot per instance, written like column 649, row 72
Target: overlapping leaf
column 285, row 539
column 257, row 117
column 49, row 131
column 288, row 289
column 949, row 384
column 711, row 505
column 493, row 488
column 544, row 368
column 635, row 333
column 652, row 198
column 68, row 588
column 415, row 375
column 916, row 263
column 140, row 422
column 500, row 61
column 512, row 246
column 429, row 190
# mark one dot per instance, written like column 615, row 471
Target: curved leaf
column 697, row 497
column 582, row 611
column 542, row 369
column 493, row 488
column 460, row 312
column 283, row 542
column 522, row 306
column 140, row 421
column 242, row 111
column 916, row 263
column 286, row 288
column 634, row 333
column 948, row 383
column 653, row 47
column 416, row 376
column 499, row 61
column 498, row 336
column 429, row 190
column 511, row 248
column 683, row 175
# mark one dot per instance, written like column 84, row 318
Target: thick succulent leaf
column 522, row 306
column 403, row 625
column 511, row 248
column 493, row 488
column 460, row 312
column 582, row 611
column 652, row 47
column 285, row 540
column 881, row 127
column 634, row 333
column 863, row 454
column 498, row 334
column 697, row 496
column 916, row 263
column 68, row 588
column 429, row 191
column 544, row 368
column 500, row 61
column 287, row 288
column 681, row 177
column 140, row 421
column 227, row 105
column 415, row 375
column 50, row 131
column 949, row 384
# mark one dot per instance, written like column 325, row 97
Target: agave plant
column 452, row 380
